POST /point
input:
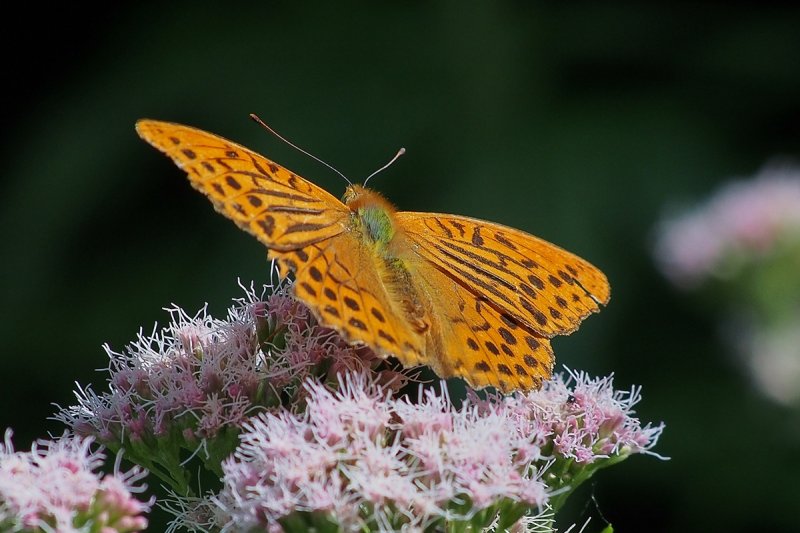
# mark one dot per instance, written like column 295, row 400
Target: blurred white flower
column 771, row 356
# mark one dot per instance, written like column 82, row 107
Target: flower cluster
column 743, row 247
column 743, row 222
column 189, row 387
column 359, row 458
column 265, row 419
column 586, row 423
column 56, row 487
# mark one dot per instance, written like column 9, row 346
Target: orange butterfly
column 467, row 297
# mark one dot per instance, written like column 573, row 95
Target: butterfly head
column 372, row 213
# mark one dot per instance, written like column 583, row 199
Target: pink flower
column 587, row 419
column 322, row 439
column 198, row 380
column 56, row 487
column 360, row 458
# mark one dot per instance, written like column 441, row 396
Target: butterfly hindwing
column 338, row 279
column 542, row 286
column 474, row 340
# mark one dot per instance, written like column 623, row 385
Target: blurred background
column 585, row 123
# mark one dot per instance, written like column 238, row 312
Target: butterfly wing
column 342, row 281
column 542, row 286
column 306, row 229
column 472, row 339
column 496, row 296
column 281, row 209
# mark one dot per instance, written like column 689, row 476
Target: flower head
column 193, row 384
column 360, row 458
column 56, row 487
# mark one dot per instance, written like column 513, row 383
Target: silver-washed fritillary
column 467, row 297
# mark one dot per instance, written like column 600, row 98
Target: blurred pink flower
column 747, row 234
column 56, row 488
column 770, row 355
column 742, row 221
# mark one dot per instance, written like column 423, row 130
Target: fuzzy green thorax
column 376, row 224
column 372, row 214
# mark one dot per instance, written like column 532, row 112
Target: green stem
column 580, row 475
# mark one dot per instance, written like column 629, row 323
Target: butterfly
column 467, row 297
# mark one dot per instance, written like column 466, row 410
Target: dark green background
column 577, row 122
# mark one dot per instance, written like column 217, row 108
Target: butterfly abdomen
column 397, row 280
column 373, row 219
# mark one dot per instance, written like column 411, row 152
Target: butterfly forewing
column 537, row 283
column 281, row 209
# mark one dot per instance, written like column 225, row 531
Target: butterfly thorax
column 372, row 214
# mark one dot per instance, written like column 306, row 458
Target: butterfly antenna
column 400, row 152
column 284, row 139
